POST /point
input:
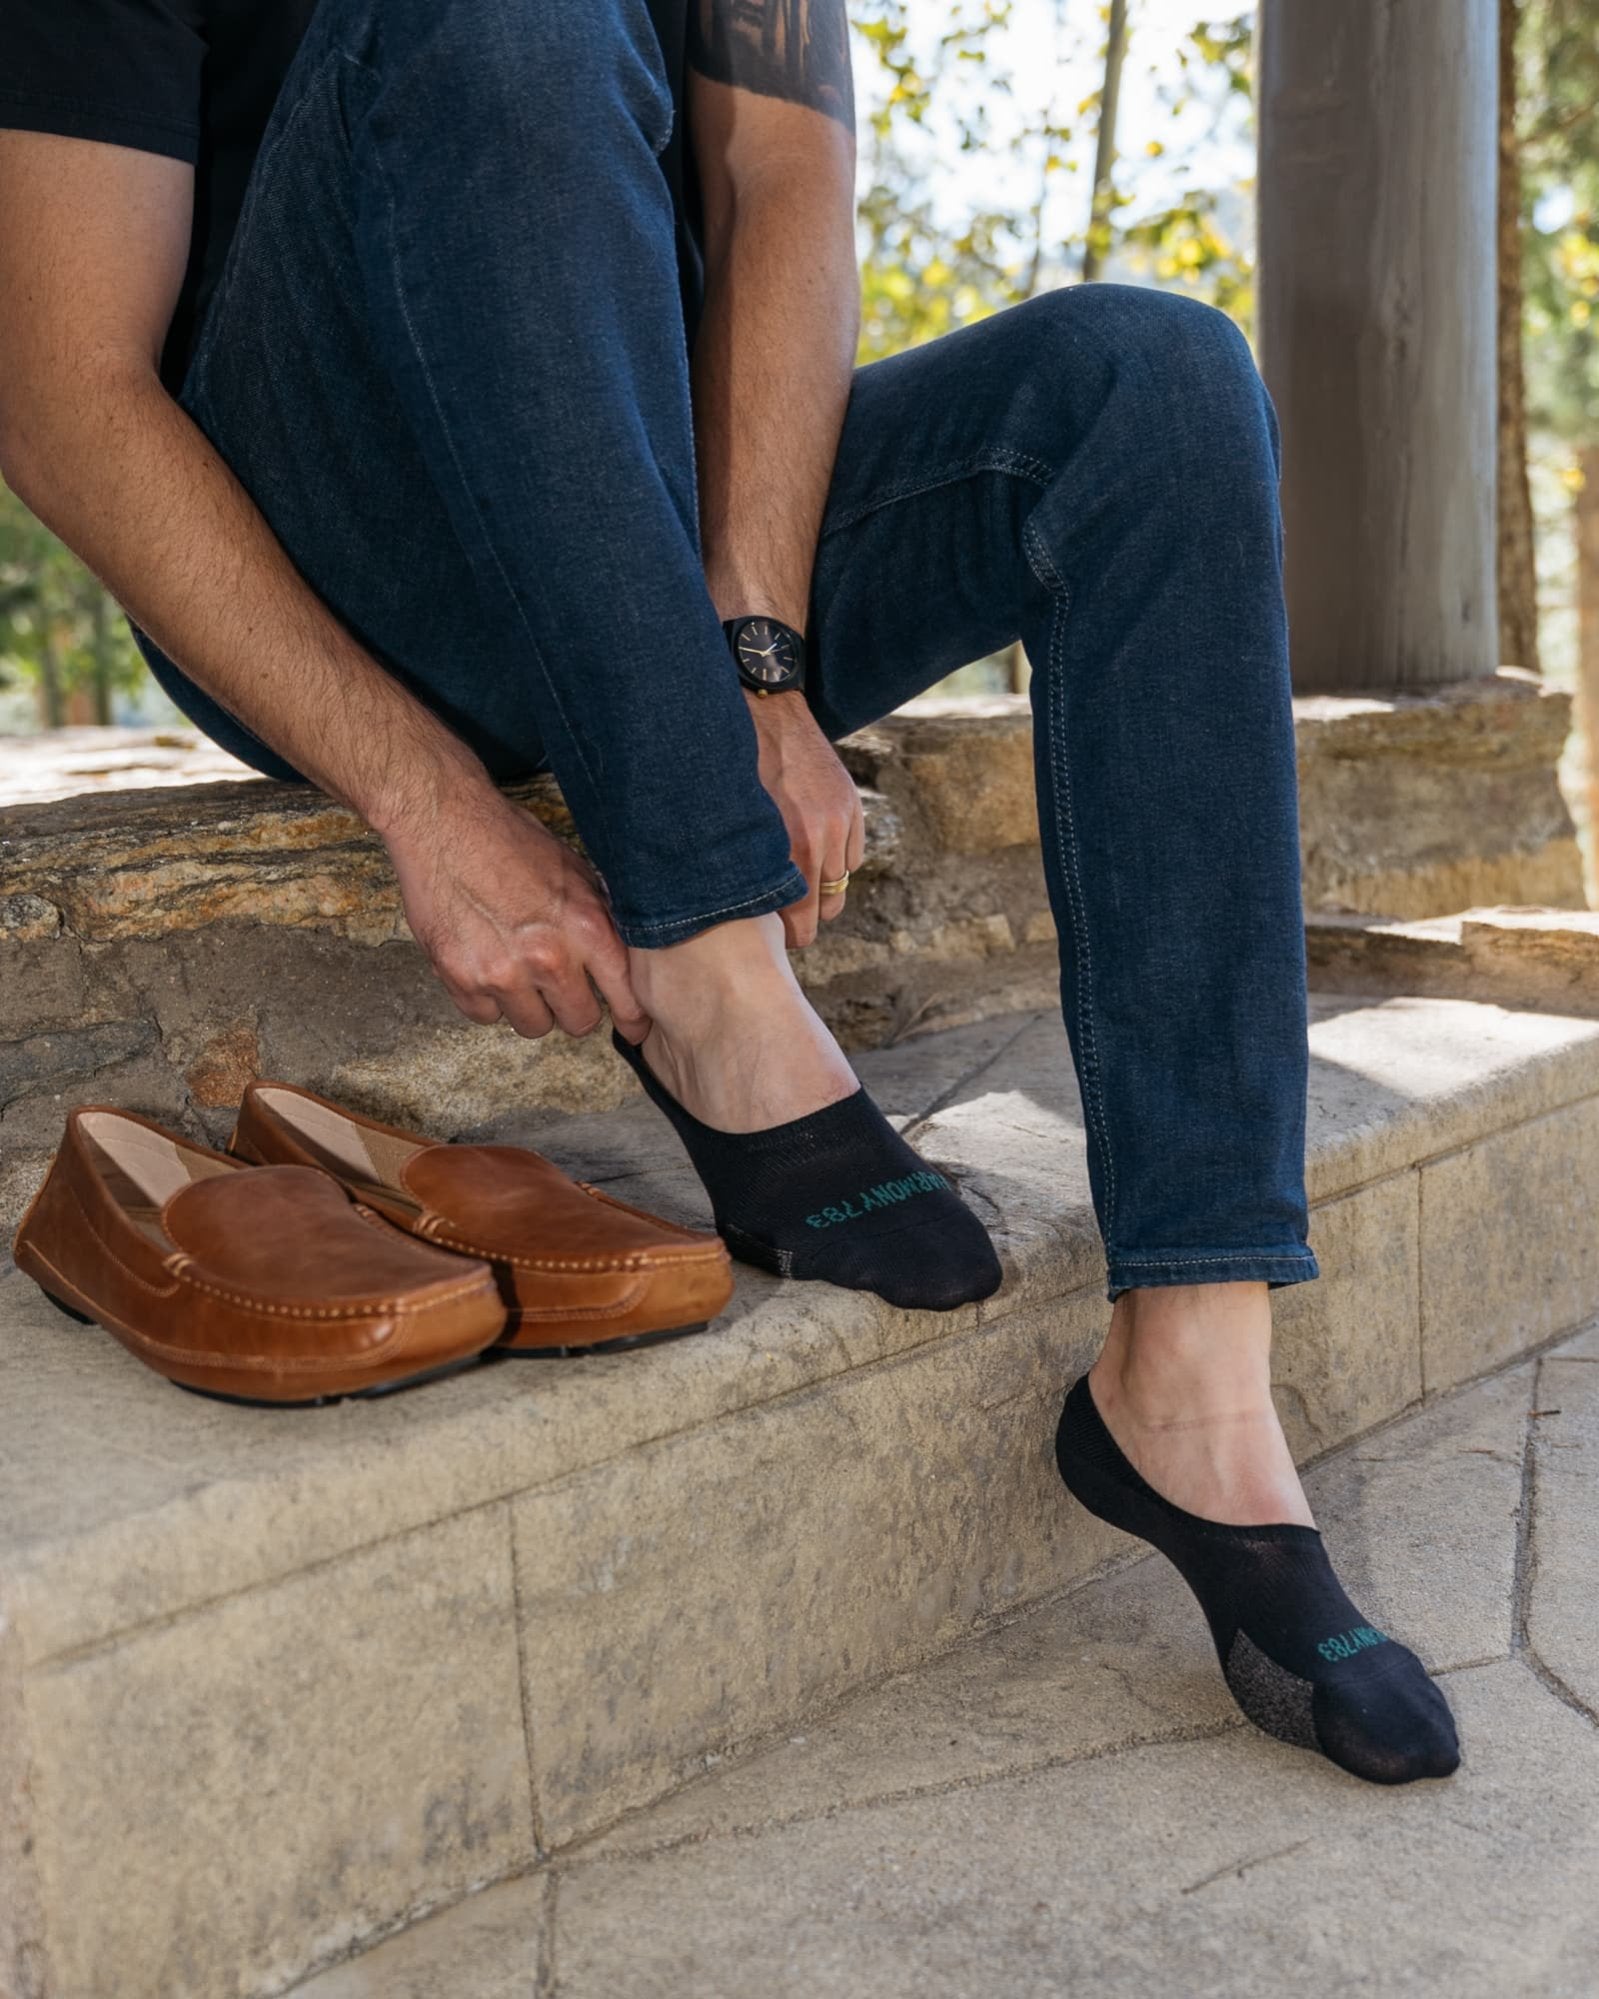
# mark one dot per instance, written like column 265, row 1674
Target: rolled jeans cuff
column 1210, row 1266
column 651, row 934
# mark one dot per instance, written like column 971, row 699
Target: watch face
column 766, row 651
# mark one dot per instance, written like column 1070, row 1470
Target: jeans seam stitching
column 1041, row 562
column 263, row 161
column 704, row 916
column 1066, row 846
column 1235, row 1256
column 466, row 488
column 1015, row 463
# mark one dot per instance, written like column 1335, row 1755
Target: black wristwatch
column 770, row 655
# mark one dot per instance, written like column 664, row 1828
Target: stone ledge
column 941, row 778
column 110, row 866
column 581, row 1581
column 1523, row 957
column 1422, row 804
column 960, row 1829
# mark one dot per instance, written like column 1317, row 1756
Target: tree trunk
column 1518, row 568
column 52, row 692
column 1587, row 525
column 1105, row 145
column 100, row 648
column 1378, row 137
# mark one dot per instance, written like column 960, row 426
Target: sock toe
column 934, row 1269
column 1392, row 1729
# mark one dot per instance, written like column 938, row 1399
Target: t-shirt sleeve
column 124, row 71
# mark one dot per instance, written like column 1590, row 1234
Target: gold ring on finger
column 839, row 887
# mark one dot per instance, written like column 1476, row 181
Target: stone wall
column 159, row 948
column 1420, row 805
column 1545, row 959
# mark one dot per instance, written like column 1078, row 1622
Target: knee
column 1168, row 374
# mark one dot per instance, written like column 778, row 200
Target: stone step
column 1070, row 1803
column 272, row 1684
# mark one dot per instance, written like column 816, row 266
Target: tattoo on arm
column 795, row 49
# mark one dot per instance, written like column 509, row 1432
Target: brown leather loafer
column 577, row 1270
column 262, row 1285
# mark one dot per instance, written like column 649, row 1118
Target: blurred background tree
column 989, row 172
column 61, row 636
column 1552, row 68
column 996, row 164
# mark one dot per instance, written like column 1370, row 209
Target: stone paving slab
column 64, row 763
column 1422, row 1517
column 1563, row 1566
column 1071, row 1805
column 495, row 1946
column 1229, row 1867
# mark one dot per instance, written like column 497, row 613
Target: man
column 529, row 367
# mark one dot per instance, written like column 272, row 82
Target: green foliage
column 1559, row 143
column 923, row 272
column 1187, row 245
column 922, row 275
column 59, row 631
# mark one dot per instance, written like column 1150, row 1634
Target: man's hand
column 514, row 922
column 820, row 806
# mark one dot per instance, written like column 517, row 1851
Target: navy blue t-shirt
column 196, row 80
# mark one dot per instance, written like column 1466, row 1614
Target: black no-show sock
column 1298, row 1657
column 839, row 1196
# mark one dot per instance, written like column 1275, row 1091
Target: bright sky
column 1062, row 64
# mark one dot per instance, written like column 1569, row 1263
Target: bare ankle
column 713, row 969
column 734, row 1039
column 1184, row 1383
column 1181, row 1352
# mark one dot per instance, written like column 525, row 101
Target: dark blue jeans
column 448, row 361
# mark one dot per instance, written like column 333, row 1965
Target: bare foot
column 735, row 1040
column 1184, row 1386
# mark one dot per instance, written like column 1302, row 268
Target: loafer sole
column 575, row 1349
column 341, row 1386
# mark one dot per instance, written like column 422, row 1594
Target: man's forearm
column 772, row 370
column 135, row 489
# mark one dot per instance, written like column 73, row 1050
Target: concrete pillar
column 1378, row 156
